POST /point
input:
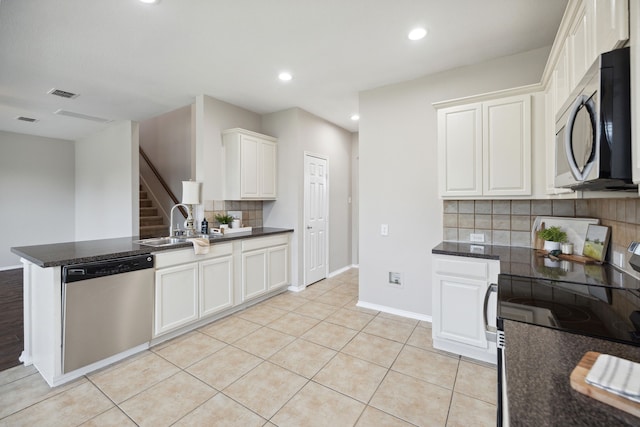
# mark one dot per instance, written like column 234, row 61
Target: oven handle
column 491, row 332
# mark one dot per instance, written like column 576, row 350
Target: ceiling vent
column 63, row 93
column 27, row 119
column 81, row 116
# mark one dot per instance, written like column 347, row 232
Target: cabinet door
column 611, row 21
column 249, row 160
column 216, row 285
column 460, row 151
column 460, row 316
column 581, row 39
column 507, row 146
column 254, row 273
column 563, row 78
column 268, row 169
column 278, row 266
column 176, row 297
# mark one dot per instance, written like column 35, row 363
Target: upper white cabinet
column 251, row 165
column 580, row 42
column 484, row 148
column 611, row 23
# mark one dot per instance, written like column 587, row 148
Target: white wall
column 212, row 116
column 36, row 192
column 107, row 181
column 398, row 174
column 355, row 197
column 166, row 140
column 298, row 132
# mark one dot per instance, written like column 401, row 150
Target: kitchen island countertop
column 68, row 253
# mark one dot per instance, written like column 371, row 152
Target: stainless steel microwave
column 593, row 129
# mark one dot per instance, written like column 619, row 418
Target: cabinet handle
column 491, row 332
column 309, row 227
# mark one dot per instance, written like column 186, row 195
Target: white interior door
column 316, row 221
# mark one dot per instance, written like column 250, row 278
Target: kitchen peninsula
column 184, row 290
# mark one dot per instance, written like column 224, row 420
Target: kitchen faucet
column 188, row 208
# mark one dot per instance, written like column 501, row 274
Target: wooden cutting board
column 579, row 384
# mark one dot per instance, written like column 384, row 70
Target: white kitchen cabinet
column 251, row 165
column 459, row 288
column 278, row 265
column 611, row 23
column 460, row 150
column 582, row 53
column 506, row 159
column 563, row 78
column 265, row 265
column 190, row 287
column 215, row 285
column 484, row 148
column 254, row 273
column 176, row 297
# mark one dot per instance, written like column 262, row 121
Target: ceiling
column 130, row 60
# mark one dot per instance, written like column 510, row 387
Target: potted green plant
column 553, row 238
column 224, row 220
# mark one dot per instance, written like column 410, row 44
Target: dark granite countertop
column 527, row 262
column 67, row 253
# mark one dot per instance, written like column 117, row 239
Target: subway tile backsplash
column 509, row 222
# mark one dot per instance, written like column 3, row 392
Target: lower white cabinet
column 176, row 297
column 216, row 285
column 459, row 288
column 265, row 265
column 190, row 287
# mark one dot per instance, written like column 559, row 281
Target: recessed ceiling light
column 285, row 76
column 150, row 1
column 417, row 34
column 355, row 117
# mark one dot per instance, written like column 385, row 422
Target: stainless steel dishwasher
column 107, row 308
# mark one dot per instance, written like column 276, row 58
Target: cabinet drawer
column 265, row 242
column 185, row 255
column 459, row 267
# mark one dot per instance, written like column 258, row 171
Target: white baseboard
column 11, row 267
column 397, row 312
column 296, row 288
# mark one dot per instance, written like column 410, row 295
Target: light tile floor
column 298, row 359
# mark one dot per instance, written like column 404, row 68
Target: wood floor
column 11, row 318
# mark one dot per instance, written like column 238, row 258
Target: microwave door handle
column 491, row 332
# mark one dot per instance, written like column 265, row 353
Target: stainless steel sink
column 161, row 241
column 157, row 242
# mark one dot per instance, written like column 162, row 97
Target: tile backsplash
column 251, row 211
column 509, row 222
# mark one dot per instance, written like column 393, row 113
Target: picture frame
column 596, row 242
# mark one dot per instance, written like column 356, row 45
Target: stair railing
column 162, row 182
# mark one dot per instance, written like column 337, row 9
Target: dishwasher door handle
column 491, row 332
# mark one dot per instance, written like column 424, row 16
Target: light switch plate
column 384, row 229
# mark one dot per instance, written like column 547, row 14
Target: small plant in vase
column 224, row 220
column 553, row 238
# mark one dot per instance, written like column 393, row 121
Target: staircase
column 151, row 224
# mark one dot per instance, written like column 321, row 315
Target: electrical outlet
column 384, row 229
column 476, row 237
column 395, row 279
